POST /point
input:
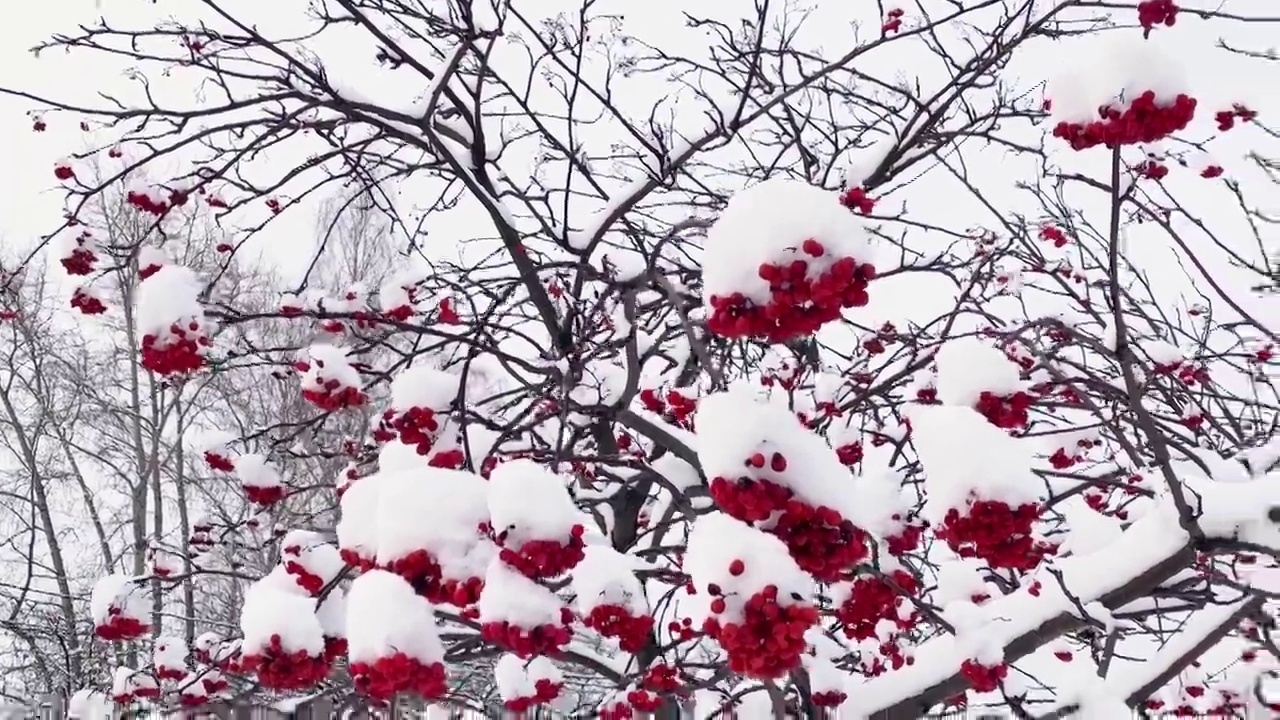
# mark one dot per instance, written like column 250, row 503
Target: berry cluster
column 821, row 541
column 422, row 571
column 81, row 260
column 545, row 690
column 1156, row 12
column 798, row 304
column 155, row 202
column 829, row 699
column 1143, row 122
column 416, row 427
column 63, row 170
column 1007, row 412
column 1226, row 119
column 673, row 407
column 306, row 579
column 181, row 352
column 663, row 678
column 618, row 710
column 1054, row 235
column 280, row 670
column 260, row 495
column 873, row 600
column 164, row 672
column 616, row 621
column 543, row 559
column 983, row 678
column 993, row 531
column 398, row 673
column 856, row 199
column 120, row 628
column 460, row 593
column 86, row 303
column 769, row 639
column 522, row 642
column 218, row 461
column 892, row 23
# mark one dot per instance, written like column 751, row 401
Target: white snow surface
column 90, row 704
column 118, row 591
column 1112, row 69
column 385, row 616
column 511, row 597
column 270, row 610
column 960, row 579
column 149, row 255
column 767, row 223
column 964, row 455
column 425, row 387
column 518, row 678
column 332, row 614
column 436, row 510
column 607, row 577
column 530, row 502
column 314, row 553
column 256, row 472
column 716, row 540
column 967, row 367
column 170, row 296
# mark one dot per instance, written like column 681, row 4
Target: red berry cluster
column 1054, row 235
column 850, row 453
column 993, row 531
column 1226, row 119
column 460, row 593
column 616, row 621
column 357, row 561
column 417, row 427
column 306, row 579
column 642, row 700
column 1152, row 170
column 87, row 304
column 983, row 678
column 545, row 690
column 798, row 305
column 892, row 23
column 619, row 710
column 180, row 353
column 80, row 261
column 334, row 396
column 1007, row 412
column 544, row 559
column 522, row 642
column 856, row 199
column 873, row 600
column 218, row 461
column 768, row 640
column 263, row 495
column 1156, row 12
column 398, row 673
column 673, row 407
column 334, row 648
column 1144, row 121
column 148, row 204
column 821, row 541
column 829, row 698
column 280, row 670
column 119, row 628
column 63, row 171
column 663, row 678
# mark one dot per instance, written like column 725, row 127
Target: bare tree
column 568, row 214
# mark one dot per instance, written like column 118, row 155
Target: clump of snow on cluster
column 358, row 526
column 968, row 367
column 326, row 363
column 518, row 678
column 739, row 422
column 1088, row 530
column 436, row 510
column 150, row 256
column 332, row 614
column 960, row 579
column 255, row 471
column 425, row 387
column 117, row 594
column 171, row 295
column 1113, row 69
column 965, row 456
column 511, row 597
column 89, row 704
column 767, row 223
column 530, row 502
column 271, row 610
column 607, row 577
column 385, row 616
column 717, row 540
column 170, row 653
column 313, row 553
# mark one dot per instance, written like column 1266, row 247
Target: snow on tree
column 742, row 377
